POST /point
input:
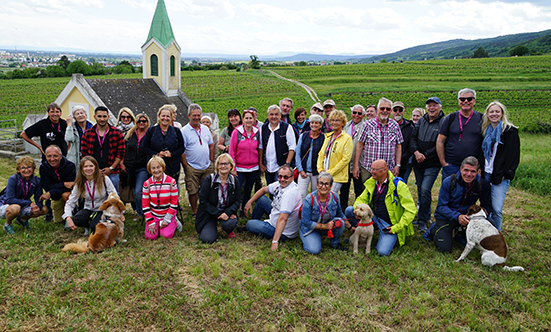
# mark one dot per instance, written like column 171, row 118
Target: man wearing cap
column 328, row 107
column 317, row 109
column 381, row 138
column 460, row 135
column 406, row 127
column 426, row 165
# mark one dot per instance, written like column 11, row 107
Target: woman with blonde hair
column 93, row 187
column 16, row 202
column 165, row 141
column 417, row 114
column 125, row 120
column 77, row 124
column 501, row 147
column 336, row 152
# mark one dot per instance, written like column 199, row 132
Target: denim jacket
column 311, row 211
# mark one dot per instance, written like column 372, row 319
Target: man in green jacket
column 392, row 205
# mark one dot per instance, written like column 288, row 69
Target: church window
column 154, row 65
column 172, row 65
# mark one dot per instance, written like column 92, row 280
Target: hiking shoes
column 22, row 222
column 8, row 229
column 340, row 247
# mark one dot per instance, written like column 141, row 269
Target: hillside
column 461, row 48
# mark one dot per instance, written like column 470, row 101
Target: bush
column 537, row 128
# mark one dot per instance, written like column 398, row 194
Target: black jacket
column 51, row 183
column 154, row 142
column 406, row 127
column 423, row 139
column 208, row 198
column 507, row 156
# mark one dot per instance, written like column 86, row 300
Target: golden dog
column 108, row 230
column 364, row 231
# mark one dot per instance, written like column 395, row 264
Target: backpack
column 312, row 204
column 395, row 194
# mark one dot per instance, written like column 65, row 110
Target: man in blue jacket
column 457, row 193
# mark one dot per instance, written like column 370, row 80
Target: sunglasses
column 142, row 121
column 385, row 109
column 125, row 116
column 398, row 109
column 286, row 177
column 466, row 98
column 357, row 113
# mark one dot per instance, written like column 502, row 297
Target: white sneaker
column 86, row 231
column 178, row 225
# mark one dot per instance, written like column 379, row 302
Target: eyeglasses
column 357, row 113
column 377, row 169
column 25, row 167
column 223, row 164
column 324, row 184
column 142, row 121
column 286, row 177
column 385, row 109
column 469, row 99
column 398, row 109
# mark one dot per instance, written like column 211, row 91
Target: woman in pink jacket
column 244, row 151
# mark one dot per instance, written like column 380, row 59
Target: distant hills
column 461, row 48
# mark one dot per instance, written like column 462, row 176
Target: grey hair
column 325, row 175
column 193, row 107
column 357, row 106
column 272, row 107
column 315, row 118
column 470, row 160
column 54, row 147
column 466, row 90
column 78, row 107
column 286, row 99
column 206, row 117
column 384, row 100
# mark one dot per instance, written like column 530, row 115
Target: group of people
column 309, row 167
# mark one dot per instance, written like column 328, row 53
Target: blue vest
column 305, row 145
column 280, row 139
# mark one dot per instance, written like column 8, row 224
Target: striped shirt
column 380, row 142
column 159, row 198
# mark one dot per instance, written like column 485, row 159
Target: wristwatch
column 111, row 168
column 398, row 165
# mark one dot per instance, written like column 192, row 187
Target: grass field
column 240, row 285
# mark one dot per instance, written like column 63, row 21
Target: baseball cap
column 398, row 104
column 435, row 99
column 329, row 102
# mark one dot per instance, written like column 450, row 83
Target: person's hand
column 45, row 196
column 356, row 172
column 223, row 216
column 303, row 174
column 275, row 246
column 248, row 208
column 163, row 224
column 69, row 120
column 123, row 167
column 233, row 216
column 329, row 225
column 463, row 219
column 234, row 173
column 106, row 171
column 388, row 230
column 69, row 185
column 396, row 170
column 34, row 208
column 446, row 165
column 151, row 228
column 70, row 223
column 419, row 156
column 262, row 168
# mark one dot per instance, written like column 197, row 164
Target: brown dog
column 108, row 230
column 364, row 231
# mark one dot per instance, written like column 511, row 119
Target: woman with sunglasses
column 77, row 124
column 244, row 150
column 501, row 147
column 321, row 216
column 336, row 152
column 135, row 160
column 219, row 198
column 165, row 141
column 126, row 120
column 306, row 157
column 234, row 120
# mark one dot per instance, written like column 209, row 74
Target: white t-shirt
column 286, row 200
column 270, row 149
column 197, row 150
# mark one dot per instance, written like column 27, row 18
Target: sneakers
column 8, row 229
column 231, row 235
column 178, row 225
column 340, row 247
column 24, row 223
column 48, row 217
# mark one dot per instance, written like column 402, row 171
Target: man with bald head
column 392, row 205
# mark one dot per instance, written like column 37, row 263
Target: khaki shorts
column 194, row 178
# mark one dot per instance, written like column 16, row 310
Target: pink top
column 244, row 149
column 159, row 198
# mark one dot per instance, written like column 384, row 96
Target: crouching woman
column 159, row 201
column 219, row 198
column 321, row 216
column 16, row 202
column 92, row 186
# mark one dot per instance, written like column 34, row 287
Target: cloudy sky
column 265, row 27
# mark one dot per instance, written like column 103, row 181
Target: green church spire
column 161, row 29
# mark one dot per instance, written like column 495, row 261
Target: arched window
column 172, row 65
column 154, row 65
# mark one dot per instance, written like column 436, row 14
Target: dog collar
column 365, row 225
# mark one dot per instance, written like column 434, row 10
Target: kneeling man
column 392, row 205
column 457, row 193
column 283, row 210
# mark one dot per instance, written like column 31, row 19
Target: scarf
column 124, row 128
column 491, row 136
column 300, row 126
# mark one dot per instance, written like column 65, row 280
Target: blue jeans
column 386, row 241
column 498, row 191
column 349, row 213
column 246, row 183
column 270, row 177
column 260, row 227
column 115, row 180
column 449, row 170
column 141, row 177
column 312, row 241
column 425, row 180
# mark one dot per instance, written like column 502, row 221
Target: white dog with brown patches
column 364, row 231
column 488, row 239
